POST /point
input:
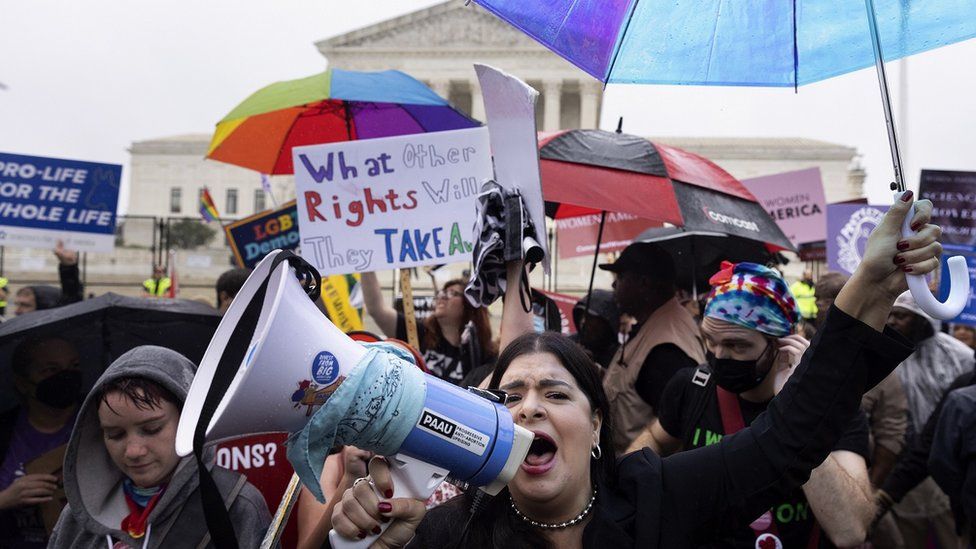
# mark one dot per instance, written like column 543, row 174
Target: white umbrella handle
column 958, row 283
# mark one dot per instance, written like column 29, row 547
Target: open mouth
column 541, row 454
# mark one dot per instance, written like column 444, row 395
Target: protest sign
column 379, row 204
column 577, row 236
column 848, row 228
column 256, row 236
column 953, row 195
column 510, row 116
column 968, row 315
column 43, row 200
column 796, row 201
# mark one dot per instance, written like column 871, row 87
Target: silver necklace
column 555, row 525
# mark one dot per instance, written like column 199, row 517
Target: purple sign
column 848, row 228
column 795, row 200
column 953, row 195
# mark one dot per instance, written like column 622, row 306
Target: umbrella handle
column 958, row 283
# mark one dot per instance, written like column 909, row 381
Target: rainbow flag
column 208, row 210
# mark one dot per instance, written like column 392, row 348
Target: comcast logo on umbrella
column 730, row 220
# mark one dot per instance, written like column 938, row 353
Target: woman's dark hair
column 476, row 315
column 145, row 393
column 496, row 526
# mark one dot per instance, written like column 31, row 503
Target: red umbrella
column 593, row 171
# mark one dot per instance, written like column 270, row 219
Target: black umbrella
column 105, row 327
column 698, row 254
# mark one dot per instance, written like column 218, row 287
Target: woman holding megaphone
column 571, row 492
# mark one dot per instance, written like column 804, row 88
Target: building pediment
column 448, row 25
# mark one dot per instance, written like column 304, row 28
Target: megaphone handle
column 958, row 283
column 412, row 478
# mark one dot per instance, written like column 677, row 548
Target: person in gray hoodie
column 124, row 483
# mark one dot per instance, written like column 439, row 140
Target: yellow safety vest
column 157, row 288
column 3, row 284
column 805, row 300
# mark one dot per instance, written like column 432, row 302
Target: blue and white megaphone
column 276, row 360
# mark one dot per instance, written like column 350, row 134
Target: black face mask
column 61, row 391
column 739, row 376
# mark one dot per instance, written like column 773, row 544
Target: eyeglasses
column 447, row 294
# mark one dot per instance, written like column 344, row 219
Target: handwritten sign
column 256, row 236
column 380, row 204
column 43, row 200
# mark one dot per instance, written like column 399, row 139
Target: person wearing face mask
column 748, row 324
column 47, row 378
column 571, row 492
column 125, row 485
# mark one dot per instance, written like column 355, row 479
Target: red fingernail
column 916, row 226
column 899, row 260
column 361, row 534
column 376, row 530
column 907, row 197
column 902, row 245
column 388, row 493
column 907, row 269
column 384, row 506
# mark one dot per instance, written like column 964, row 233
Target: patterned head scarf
column 752, row 296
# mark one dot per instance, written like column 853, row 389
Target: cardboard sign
column 848, row 229
column 43, row 200
column 953, row 196
column 50, row 463
column 796, row 201
column 256, row 236
column 968, row 315
column 577, row 236
column 380, row 204
column 510, row 115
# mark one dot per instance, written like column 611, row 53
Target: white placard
column 510, row 115
column 380, row 204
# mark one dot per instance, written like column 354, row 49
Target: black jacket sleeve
column 714, row 489
column 952, row 460
column 71, row 289
column 912, row 466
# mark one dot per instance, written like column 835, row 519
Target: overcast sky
column 86, row 79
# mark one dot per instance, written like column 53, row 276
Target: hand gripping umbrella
column 785, row 43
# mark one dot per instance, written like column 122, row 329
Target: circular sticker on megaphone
column 325, row 368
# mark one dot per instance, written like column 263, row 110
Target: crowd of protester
column 828, row 412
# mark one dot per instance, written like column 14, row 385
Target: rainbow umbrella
column 329, row 107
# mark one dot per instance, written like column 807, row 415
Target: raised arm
column 729, row 484
column 379, row 310
column 515, row 320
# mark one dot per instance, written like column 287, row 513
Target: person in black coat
column 571, row 492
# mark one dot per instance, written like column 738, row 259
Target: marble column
column 552, row 90
column 477, row 102
column 590, row 92
column 441, row 88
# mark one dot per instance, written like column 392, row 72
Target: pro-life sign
column 380, row 204
column 43, row 200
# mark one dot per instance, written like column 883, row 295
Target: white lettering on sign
column 453, row 432
column 251, row 456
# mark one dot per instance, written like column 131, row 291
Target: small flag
column 266, row 183
column 208, row 210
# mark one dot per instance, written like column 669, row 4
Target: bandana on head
column 752, row 296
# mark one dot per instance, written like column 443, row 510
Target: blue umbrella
column 780, row 43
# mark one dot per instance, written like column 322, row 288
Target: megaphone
column 294, row 360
